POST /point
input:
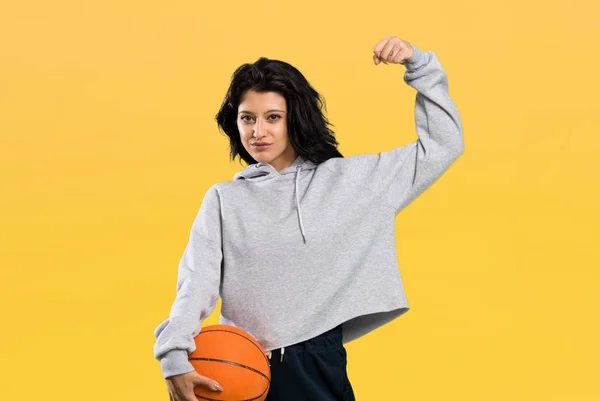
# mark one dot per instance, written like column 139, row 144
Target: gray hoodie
column 295, row 253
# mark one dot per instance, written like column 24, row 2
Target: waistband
column 328, row 339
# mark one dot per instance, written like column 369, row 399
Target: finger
column 398, row 57
column 206, row 382
column 379, row 46
column 376, row 60
column 185, row 394
column 190, row 396
column 387, row 49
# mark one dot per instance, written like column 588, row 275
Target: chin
column 263, row 157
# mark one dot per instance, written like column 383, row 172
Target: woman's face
column 262, row 123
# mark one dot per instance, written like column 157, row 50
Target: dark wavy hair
column 308, row 128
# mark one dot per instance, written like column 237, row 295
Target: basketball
column 235, row 360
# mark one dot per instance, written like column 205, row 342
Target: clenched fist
column 393, row 50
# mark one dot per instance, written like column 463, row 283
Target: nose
column 258, row 130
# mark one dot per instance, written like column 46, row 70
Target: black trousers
column 313, row 370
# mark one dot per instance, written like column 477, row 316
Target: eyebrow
column 268, row 111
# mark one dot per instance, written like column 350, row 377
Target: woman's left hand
column 393, row 50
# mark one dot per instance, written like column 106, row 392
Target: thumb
column 199, row 380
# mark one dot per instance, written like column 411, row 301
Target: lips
column 260, row 145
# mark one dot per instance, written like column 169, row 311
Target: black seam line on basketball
column 248, row 399
column 238, row 334
column 231, row 363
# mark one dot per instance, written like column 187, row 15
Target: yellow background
column 108, row 143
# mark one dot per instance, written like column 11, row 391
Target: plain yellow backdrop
column 108, row 143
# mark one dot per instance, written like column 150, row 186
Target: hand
column 181, row 387
column 392, row 49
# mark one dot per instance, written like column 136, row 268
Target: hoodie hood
column 264, row 171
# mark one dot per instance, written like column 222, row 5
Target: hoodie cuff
column 175, row 362
column 416, row 60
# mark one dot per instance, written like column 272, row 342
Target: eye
column 276, row 117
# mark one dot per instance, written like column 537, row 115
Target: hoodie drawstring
column 270, row 353
column 298, row 211
column 264, row 171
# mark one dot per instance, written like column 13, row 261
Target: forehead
column 260, row 102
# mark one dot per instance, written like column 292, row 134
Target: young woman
column 300, row 245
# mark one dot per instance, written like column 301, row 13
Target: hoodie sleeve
column 198, row 284
column 401, row 174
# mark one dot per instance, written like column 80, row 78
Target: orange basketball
column 235, row 360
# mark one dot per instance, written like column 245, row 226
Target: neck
column 284, row 162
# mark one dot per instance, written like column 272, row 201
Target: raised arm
column 401, row 174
